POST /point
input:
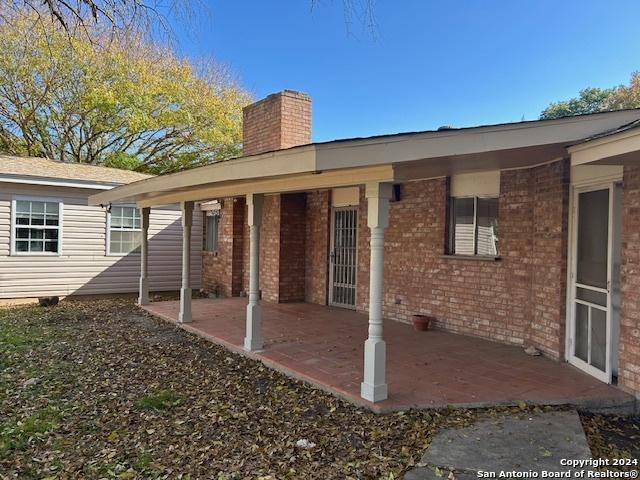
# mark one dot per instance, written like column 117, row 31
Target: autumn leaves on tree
column 116, row 100
column 592, row 100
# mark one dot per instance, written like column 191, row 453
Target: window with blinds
column 474, row 226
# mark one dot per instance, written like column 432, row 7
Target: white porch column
column 143, row 298
column 185, row 291
column 253, row 336
column 374, row 386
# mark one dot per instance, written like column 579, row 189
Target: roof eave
column 614, row 149
column 374, row 151
column 57, row 182
column 299, row 160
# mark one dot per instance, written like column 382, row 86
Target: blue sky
column 429, row 63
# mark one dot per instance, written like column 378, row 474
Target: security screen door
column 342, row 266
column 591, row 330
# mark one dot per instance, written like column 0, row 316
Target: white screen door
column 342, row 267
column 591, row 274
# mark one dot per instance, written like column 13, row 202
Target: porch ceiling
column 388, row 158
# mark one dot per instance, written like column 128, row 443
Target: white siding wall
column 84, row 268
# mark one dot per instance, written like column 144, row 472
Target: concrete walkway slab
column 507, row 443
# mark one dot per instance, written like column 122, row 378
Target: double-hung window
column 211, row 230
column 474, row 226
column 473, row 214
column 124, row 230
column 36, row 227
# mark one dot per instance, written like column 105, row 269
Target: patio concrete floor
column 324, row 346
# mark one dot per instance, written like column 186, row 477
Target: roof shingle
column 46, row 168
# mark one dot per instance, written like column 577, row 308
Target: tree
column 592, row 100
column 118, row 15
column 627, row 96
column 145, row 15
column 118, row 101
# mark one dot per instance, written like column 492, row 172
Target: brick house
column 525, row 233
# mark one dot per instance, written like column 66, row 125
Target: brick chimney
column 281, row 120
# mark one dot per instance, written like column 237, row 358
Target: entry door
column 592, row 318
column 342, row 266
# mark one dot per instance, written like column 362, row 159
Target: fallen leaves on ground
column 98, row 389
column 613, row 437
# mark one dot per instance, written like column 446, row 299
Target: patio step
column 511, row 442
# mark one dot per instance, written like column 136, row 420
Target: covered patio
column 324, row 346
column 344, row 351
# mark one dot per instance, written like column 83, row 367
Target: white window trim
column 14, row 200
column 108, row 252
column 475, row 226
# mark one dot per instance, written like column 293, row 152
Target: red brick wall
column 281, row 120
column 517, row 300
column 269, row 249
column 515, row 247
column 550, row 227
column 239, row 221
column 466, row 296
column 216, row 266
column 296, row 119
column 222, row 270
column 261, row 126
column 292, row 247
column 282, row 249
column 629, row 366
column 317, row 247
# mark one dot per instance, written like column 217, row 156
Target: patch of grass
column 144, row 463
column 12, row 337
column 16, row 435
column 162, row 400
column 17, row 336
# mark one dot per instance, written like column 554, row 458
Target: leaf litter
column 98, row 389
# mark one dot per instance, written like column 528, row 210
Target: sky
column 425, row 64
